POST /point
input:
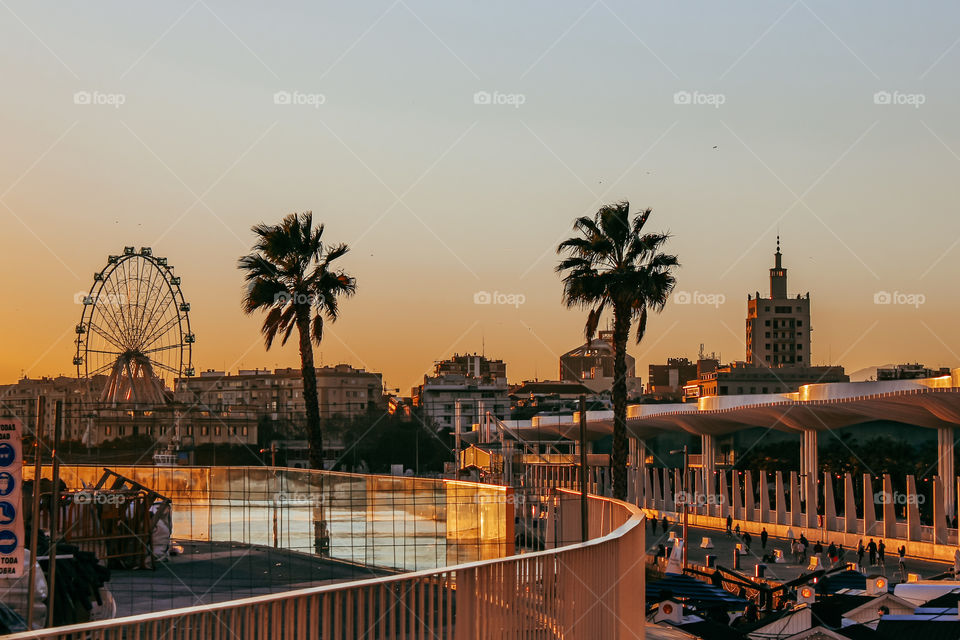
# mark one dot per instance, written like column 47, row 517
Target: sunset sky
column 832, row 123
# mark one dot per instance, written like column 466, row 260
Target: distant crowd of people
column 800, row 548
column 831, row 556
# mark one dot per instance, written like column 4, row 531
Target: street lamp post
column 685, row 494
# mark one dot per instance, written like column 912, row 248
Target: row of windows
column 776, row 346
column 501, row 413
column 742, row 390
column 784, row 359
column 463, row 407
column 781, row 309
column 253, row 394
column 437, row 396
column 246, row 384
column 204, row 431
column 218, row 430
column 783, row 323
column 230, row 397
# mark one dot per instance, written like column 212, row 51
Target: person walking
column 763, row 538
column 653, row 526
column 881, row 554
column 746, row 540
column 901, row 557
column 737, row 529
column 872, row 552
column 860, row 551
column 729, row 525
column 832, row 554
column 665, row 525
column 795, row 550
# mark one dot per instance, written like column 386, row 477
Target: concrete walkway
column 209, row 572
column 724, row 550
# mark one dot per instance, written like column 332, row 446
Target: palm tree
column 289, row 276
column 612, row 262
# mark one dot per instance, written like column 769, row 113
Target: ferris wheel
column 135, row 329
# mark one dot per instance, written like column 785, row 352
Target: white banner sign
column 11, row 498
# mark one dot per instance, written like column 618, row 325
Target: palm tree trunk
column 310, row 399
column 621, row 334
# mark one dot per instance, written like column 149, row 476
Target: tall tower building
column 778, row 327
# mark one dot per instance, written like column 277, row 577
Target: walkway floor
column 215, row 572
column 724, row 547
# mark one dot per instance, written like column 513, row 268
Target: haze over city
column 733, row 124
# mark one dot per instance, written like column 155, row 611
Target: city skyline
column 401, row 152
column 286, row 356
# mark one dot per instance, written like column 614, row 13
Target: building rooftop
column 285, row 372
column 550, row 387
column 683, row 588
column 596, row 347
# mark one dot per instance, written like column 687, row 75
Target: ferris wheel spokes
column 135, row 327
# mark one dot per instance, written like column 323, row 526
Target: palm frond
column 614, row 219
column 576, row 245
column 642, row 248
column 288, row 320
column 664, row 261
column 334, row 252
column 573, row 263
column 639, row 221
column 642, row 324
column 271, row 325
column 316, row 329
column 257, row 266
column 263, row 293
column 587, row 226
column 593, row 320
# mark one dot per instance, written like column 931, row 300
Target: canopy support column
column 708, row 460
column 945, row 470
column 809, row 475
